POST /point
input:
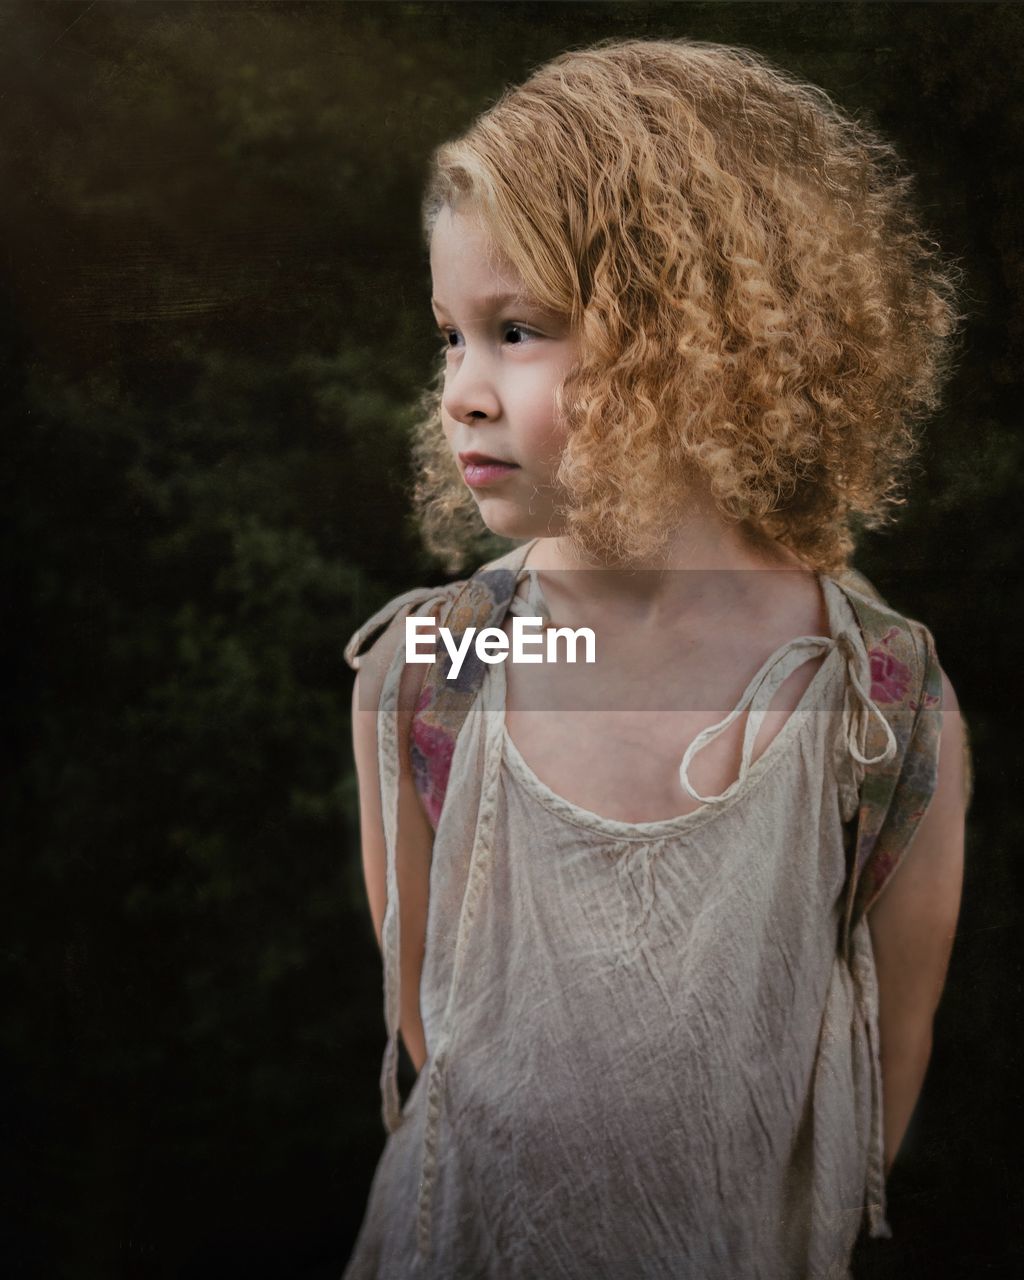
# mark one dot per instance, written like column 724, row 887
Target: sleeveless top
column 646, row 1055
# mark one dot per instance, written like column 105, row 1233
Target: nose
column 469, row 392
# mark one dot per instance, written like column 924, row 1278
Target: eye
column 446, row 343
column 514, row 334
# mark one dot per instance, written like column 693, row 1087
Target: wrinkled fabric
column 646, row 1054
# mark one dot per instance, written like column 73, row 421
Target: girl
column 689, row 322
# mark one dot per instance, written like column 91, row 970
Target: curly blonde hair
column 755, row 300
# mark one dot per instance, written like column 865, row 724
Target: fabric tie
column 533, row 605
column 857, row 707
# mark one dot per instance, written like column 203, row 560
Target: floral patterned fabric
column 906, row 684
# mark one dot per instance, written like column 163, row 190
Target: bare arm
column 414, row 837
column 912, row 927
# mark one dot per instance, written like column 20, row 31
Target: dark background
column 213, row 319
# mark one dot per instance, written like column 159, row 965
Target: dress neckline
column 755, row 771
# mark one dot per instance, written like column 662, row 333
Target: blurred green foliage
column 214, row 323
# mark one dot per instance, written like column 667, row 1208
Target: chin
column 509, row 520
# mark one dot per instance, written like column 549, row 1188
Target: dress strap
column 857, row 707
column 387, row 763
column 480, row 859
column 377, row 622
column 866, row 987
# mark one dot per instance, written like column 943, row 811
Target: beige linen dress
column 646, row 1055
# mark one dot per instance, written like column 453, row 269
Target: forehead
column 466, row 263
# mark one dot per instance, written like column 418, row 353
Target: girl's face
column 504, row 359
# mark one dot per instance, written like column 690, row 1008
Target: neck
column 700, row 565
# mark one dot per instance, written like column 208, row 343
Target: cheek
column 544, row 440
column 544, row 433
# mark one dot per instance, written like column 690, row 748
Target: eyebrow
column 493, row 300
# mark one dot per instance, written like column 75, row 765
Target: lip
column 480, row 469
column 484, row 459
